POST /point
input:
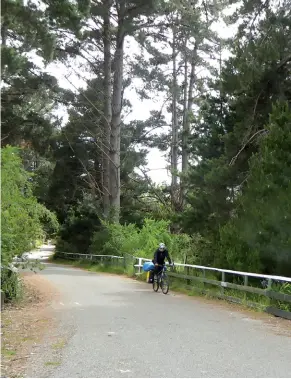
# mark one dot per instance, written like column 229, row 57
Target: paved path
column 111, row 326
column 42, row 254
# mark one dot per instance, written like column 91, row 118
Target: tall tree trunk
column 190, row 105
column 4, row 32
column 107, row 110
column 4, row 23
column 220, row 84
column 116, row 116
column 187, row 121
column 175, row 127
column 185, row 125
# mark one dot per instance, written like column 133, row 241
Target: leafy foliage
column 128, row 239
column 229, row 130
column 258, row 236
column 23, row 219
column 28, row 93
column 77, row 230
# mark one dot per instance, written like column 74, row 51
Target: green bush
column 116, row 239
column 78, row 229
column 24, row 221
column 10, row 284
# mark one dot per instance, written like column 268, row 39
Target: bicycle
column 162, row 280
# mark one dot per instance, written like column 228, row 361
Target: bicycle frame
column 161, row 279
column 162, row 273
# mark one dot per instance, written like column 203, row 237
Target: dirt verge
column 24, row 324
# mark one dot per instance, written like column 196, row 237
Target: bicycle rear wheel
column 165, row 286
column 156, row 283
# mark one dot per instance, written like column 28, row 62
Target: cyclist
column 159, row 258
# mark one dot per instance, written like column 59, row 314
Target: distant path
column 43, row 253
column 111, row 326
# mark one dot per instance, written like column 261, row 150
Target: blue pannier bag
column 148, row 266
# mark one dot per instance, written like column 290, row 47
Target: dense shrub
column 116, row 239
column 23, row 219
column 77, row 231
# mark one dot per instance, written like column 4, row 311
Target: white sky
column 140, row 108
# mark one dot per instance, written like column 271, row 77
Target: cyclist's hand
column 156, row 264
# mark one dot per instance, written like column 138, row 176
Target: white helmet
column 162, row 246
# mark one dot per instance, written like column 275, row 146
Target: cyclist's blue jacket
column 160, row 257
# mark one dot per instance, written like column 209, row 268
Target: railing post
column 2, row 300
column 139, row 265
column 223, row 276
column 246, row 280
column 222, row 282
column 269, row 288
column 203, row 283
column 188, row 273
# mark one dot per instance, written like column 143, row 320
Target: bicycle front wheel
column 156, row 283
column 165, row 285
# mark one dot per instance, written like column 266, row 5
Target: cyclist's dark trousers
column 157, row 270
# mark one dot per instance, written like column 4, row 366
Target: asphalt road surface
column 111, row 326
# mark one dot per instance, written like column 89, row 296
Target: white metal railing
column 139, row 266
column 240, row 273
column 94, row 255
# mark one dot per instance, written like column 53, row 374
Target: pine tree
column 232, row 122
column 187, row 35
column 118, row 20
column 258, row 236
column 28, row 93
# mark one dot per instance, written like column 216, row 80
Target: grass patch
column 44, row 321
column 52, row 364
column 142, row 277
column 27, row 339
column 6, row 322
column 8, row 353
column 59, row 345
